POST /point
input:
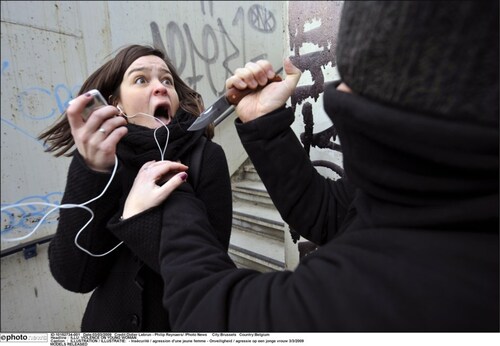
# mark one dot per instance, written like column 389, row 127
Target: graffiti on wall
column 326, row 16
column 221, row 43
column 55, row 100
column 314, row 23
column 217, row 47
column 21, row 220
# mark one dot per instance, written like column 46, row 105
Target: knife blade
column 225, row 104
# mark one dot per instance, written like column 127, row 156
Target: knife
column 225, row 104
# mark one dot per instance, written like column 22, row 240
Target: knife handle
column 234, row 95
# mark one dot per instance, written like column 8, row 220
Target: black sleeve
column 214, row 190
column 204, row 291
column 71, row 267
column 311, row 204
column 141, row 234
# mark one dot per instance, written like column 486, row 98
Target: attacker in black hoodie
column 409, row 237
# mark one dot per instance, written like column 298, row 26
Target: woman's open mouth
column 161, row 113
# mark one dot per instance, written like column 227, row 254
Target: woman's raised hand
column 154, row 182
column 97, row 137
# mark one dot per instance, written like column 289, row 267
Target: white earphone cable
column 84, row 205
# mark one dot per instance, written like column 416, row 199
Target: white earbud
column 121, row 111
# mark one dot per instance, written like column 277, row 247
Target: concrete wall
column 47, row 50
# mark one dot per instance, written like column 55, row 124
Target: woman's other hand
column 96, row 138
column 154, row 182
column 267, row 99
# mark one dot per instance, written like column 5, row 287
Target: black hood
column 412, row 159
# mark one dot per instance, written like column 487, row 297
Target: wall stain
column 324, row 36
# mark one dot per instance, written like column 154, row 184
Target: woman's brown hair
column 107, row 80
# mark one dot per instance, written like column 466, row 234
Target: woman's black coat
column 126, row 284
